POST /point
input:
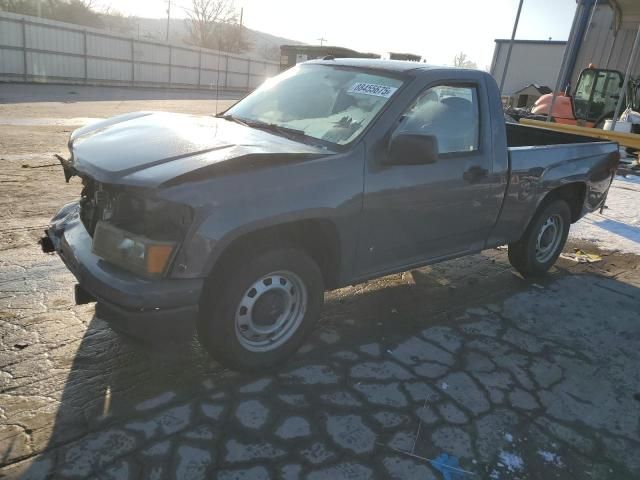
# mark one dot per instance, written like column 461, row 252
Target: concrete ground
column 69, row 94
column 511, row 379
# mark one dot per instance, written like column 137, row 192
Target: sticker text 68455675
column 372, row 89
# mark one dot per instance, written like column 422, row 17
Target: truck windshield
column 329, row 103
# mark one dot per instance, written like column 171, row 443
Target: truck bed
column 526, row 136
column 543, row 160
column 557, row 154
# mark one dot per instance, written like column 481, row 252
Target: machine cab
column 597, row 94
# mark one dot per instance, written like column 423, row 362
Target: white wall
column 537, row 63
column 37, row 50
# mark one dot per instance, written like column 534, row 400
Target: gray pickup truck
column 332, row 173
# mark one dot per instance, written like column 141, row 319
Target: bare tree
column 205, row 17
column 462, row 61
column 269, row 51
column 117, row 22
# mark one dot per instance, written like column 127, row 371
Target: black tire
column 526, row 255
column 218, row 330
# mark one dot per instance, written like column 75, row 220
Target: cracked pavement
column 517, row 379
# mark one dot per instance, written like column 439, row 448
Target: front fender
column 231, row 206
column 346, row 236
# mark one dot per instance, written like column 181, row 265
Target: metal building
column 410, row 57
column 291, row 55
column 610, row 28
column 532, row 62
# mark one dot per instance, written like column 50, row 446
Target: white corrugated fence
column 37, row 50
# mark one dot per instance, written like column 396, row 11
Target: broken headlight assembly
column 135, row 253
column 138, row 234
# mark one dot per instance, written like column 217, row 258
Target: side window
column 605, row 94
column 583, row 93
column 448, row 112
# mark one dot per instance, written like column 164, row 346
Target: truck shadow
column 113, row 380
column 109, row 377
column 630, row 232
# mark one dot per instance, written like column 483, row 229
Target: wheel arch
column 318, row 237
column 573, row 193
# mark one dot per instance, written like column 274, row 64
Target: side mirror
column 412, row 149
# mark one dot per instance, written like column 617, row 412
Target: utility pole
column 168, row 17
column 240, row 29
column 322, row 40
column 513, row 37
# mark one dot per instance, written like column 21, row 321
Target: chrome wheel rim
column 549, row 238
column 270, row 311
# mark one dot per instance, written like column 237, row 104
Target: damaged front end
column 137, row 233
column 127, row 227
column 50, row 241
column 120, row 243
column 67, row 167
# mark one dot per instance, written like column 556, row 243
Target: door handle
column 475, row 174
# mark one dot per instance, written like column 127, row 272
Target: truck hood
column 155, row 148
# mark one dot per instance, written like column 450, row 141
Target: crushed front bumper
column 150, row 309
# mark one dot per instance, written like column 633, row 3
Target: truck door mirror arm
column 412, row 149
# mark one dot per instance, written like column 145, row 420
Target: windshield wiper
column 231, row 118
column 288, row 132
column 272, row 127
column 275, row 128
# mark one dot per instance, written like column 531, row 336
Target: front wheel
column 542, row 241
column 260, row 308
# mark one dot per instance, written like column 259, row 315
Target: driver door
column 414, row 213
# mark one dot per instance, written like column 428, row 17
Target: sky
column 435, row 29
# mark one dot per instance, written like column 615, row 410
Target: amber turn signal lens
column 157, row 257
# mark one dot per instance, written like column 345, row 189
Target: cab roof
column 377, row 64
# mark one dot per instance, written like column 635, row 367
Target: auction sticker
column 372, row 89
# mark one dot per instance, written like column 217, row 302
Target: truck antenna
column 218, row 71
column 218, row 83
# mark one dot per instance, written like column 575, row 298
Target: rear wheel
column 543, row 240
column 261, row 308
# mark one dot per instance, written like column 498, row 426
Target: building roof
column 407, row 56
column 377, row 64
column 326, row 50
column 537, row 42
column 628, row 9
column 541, row 89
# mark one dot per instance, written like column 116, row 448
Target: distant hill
column 261, row 45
